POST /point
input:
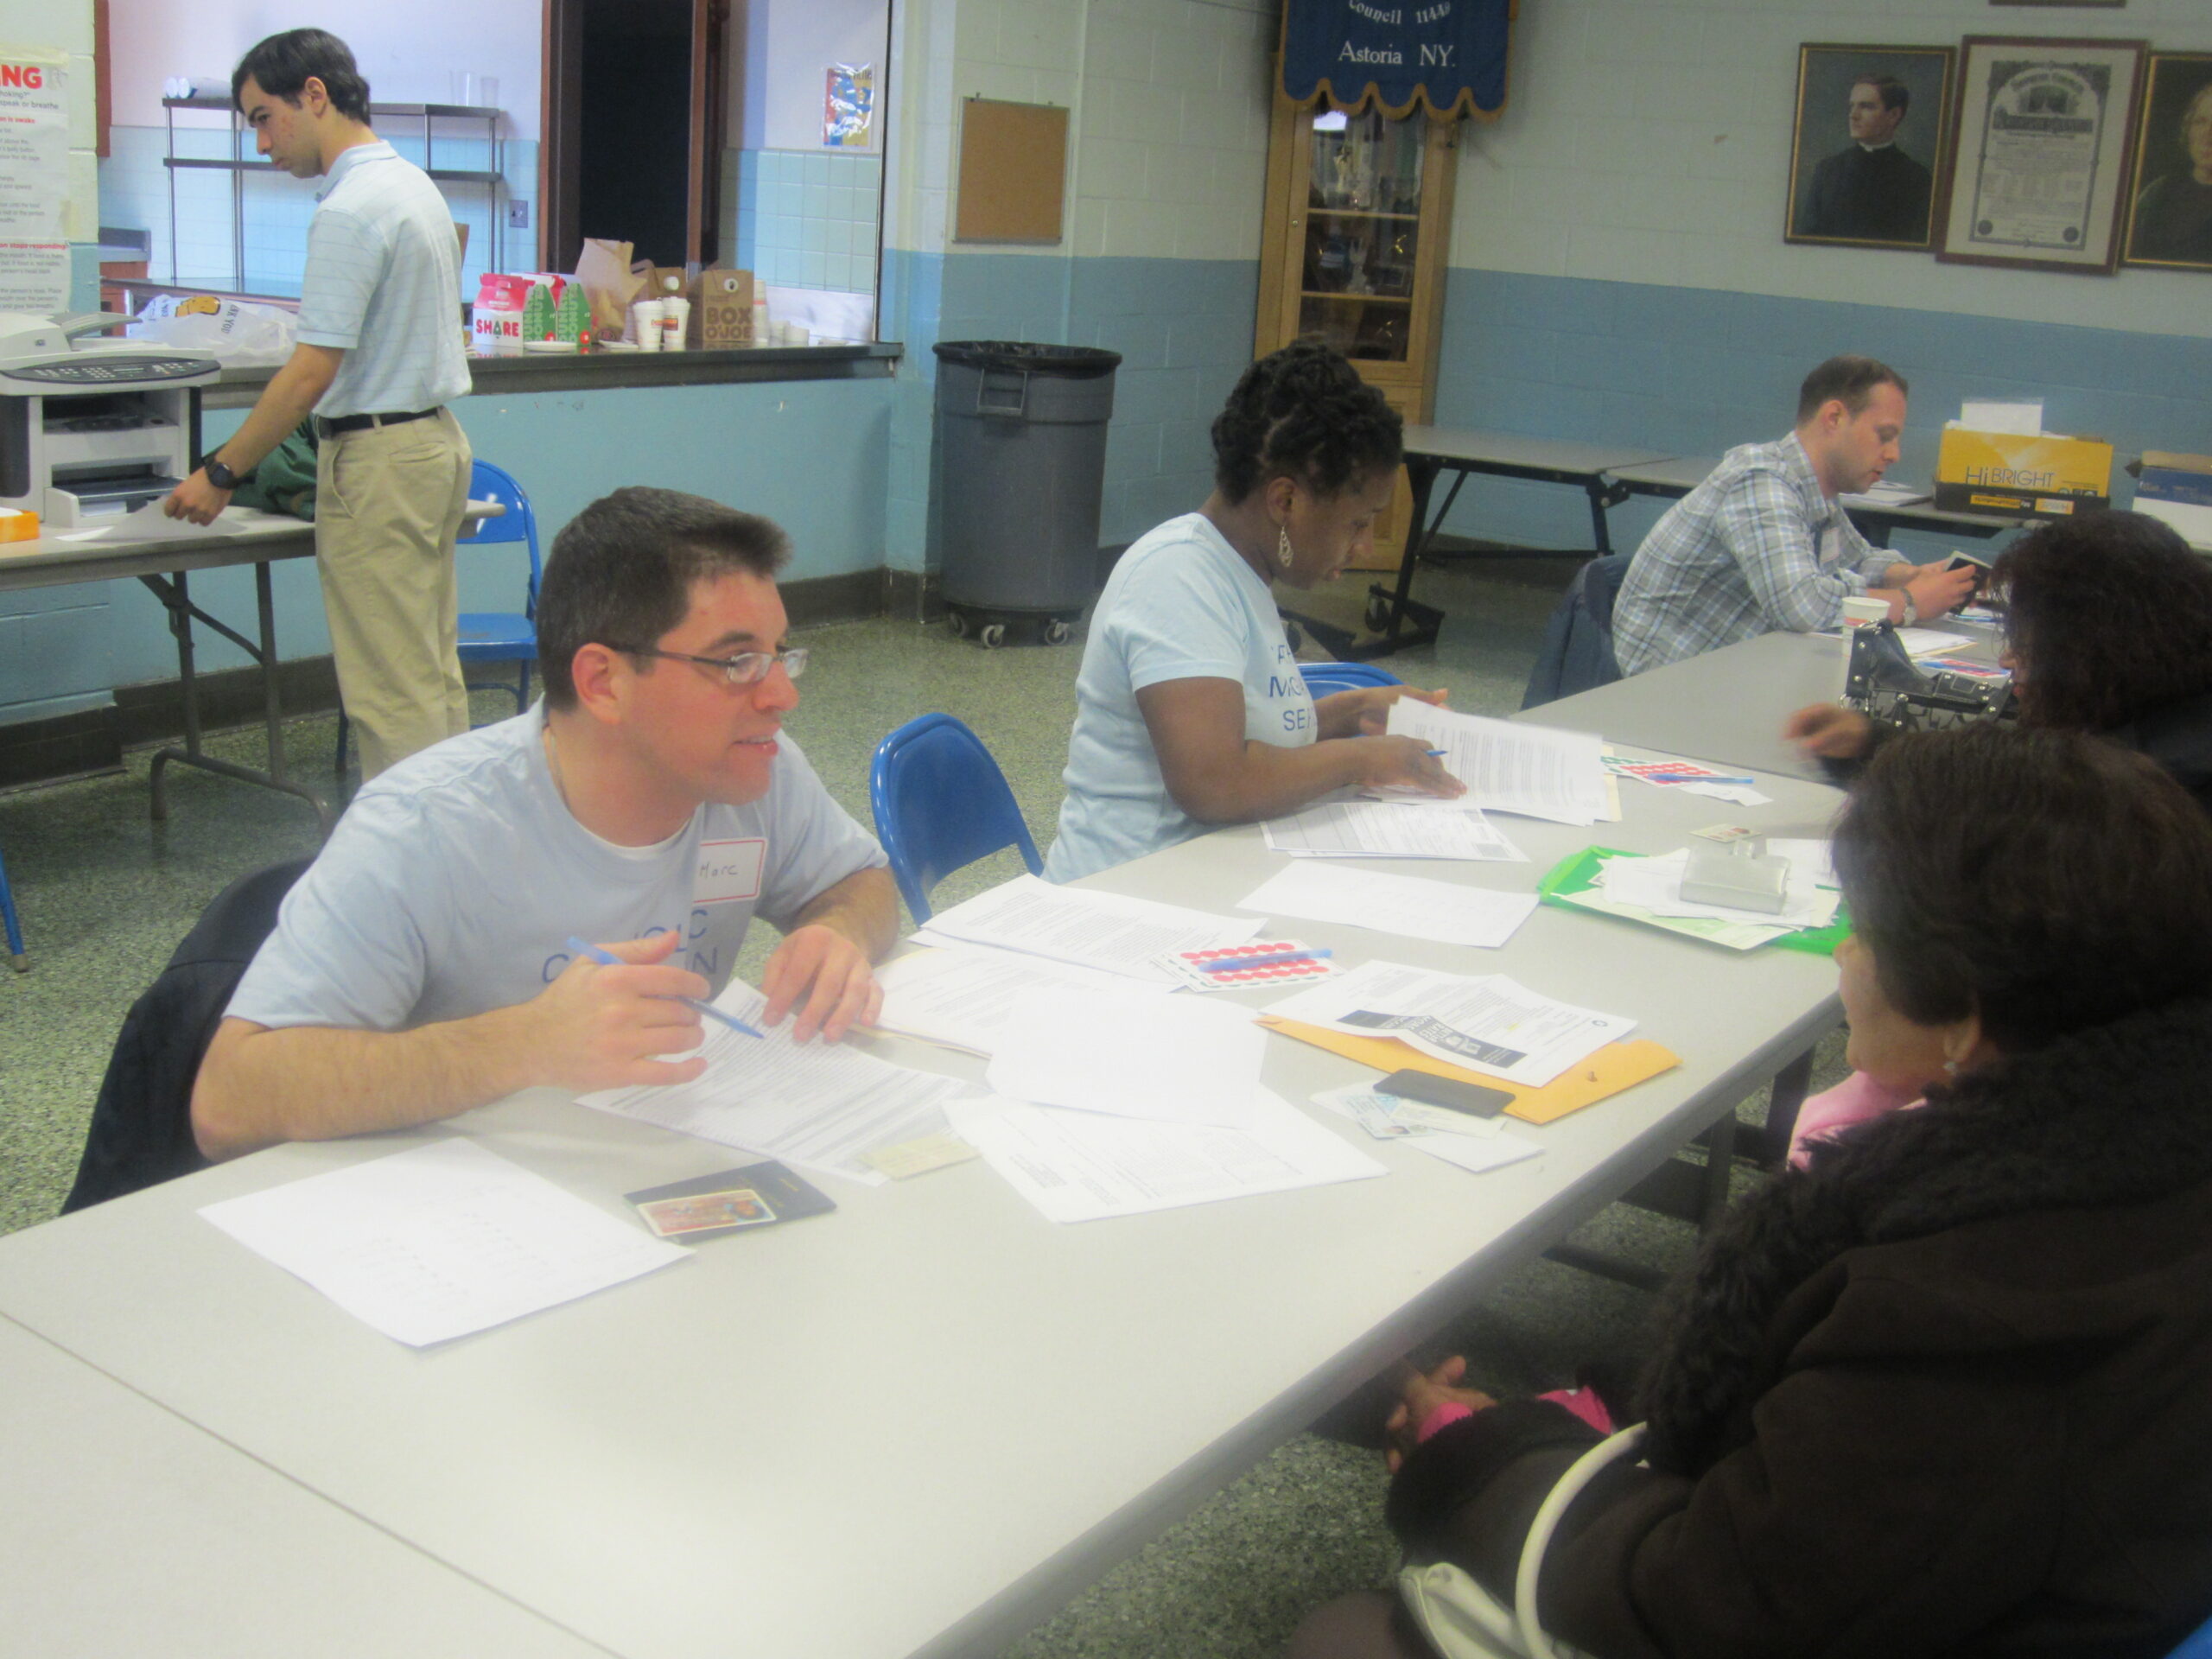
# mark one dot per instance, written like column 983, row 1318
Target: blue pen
column 607, row 958
column 1436, row 753
column 1230, row 964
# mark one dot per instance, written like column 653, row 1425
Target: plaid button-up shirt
column 1755, row 548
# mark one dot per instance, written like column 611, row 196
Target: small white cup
column 675, row 323
column 645, row 325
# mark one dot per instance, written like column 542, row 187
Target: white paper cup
column 675, row 323
column 645, row 325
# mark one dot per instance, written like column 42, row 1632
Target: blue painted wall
column 813, row 455
column 1184, row 328
column 1694, row 371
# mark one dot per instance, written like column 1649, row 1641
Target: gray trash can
column 1022, row 447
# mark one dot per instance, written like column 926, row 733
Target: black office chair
column 141, row 1124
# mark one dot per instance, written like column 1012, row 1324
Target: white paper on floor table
column 1411, row 905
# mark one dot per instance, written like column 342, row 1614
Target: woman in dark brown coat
column 1949, row 1389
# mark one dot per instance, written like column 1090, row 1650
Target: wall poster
column 33, row 182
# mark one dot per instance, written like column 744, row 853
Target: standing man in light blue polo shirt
column 378, row 359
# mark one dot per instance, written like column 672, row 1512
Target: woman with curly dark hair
column 1189, row 707
column 2107, row 629
column 1942, row 1391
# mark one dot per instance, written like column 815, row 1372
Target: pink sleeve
column 1443, row 1417
column 1856, row 1100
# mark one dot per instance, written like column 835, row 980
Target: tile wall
column 805, row 218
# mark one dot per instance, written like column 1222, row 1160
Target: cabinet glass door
column 1362, row 233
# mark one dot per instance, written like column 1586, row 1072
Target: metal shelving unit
column 239, row 162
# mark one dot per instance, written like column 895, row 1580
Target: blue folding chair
column 2199, row 1646
column 1322, row 678
column 941, row 803
column 494, row 636
column 15, row 954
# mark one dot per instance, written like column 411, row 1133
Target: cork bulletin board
column 1012, row 172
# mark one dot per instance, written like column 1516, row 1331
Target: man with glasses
column 649, row 805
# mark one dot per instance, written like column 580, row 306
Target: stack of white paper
column 1411, row 906
column 1655, row 885
column 1168, row 1059
column 819, row 1105
column 1378, row 829
column 1093, row 930
column 436, row 1242
column 961, row 997
column 1487, row 1023
column 1086, row 1166
column 1537, row 772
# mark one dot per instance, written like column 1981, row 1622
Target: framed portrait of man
column 1872, row 124
column 2041, row 143
column 2170, row 197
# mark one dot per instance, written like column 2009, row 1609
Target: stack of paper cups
column 675, row 323
column 760, row 320
column 645, row 325
column 1858, row 613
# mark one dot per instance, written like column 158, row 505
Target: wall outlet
column 518, row 215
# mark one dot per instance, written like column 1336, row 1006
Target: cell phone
column 1967, row 561
column 1447, row 1092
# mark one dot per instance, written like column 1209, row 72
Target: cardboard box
column 722, row 314
column 2010, row 473
column 2177, row 490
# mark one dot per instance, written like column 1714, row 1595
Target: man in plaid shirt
column 1762, row 544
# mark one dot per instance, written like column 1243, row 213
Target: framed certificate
column 2043, row 137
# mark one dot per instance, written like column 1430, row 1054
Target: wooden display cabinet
column 1352, row 250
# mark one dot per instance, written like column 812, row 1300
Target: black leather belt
column 331, row 428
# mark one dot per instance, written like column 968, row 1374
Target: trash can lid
column 1026, row 357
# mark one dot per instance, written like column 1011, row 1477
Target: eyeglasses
column 746, row 668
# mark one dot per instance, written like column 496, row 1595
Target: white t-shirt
column 1181, row 606
column 452, row 882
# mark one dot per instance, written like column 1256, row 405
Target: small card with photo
column 729, row 1201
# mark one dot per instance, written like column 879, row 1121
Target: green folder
column 1577, row 872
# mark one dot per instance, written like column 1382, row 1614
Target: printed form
column 1093, row 930
column 1537, row 772
column 1489, row 1023
column 1379, row 829
column 818, row 1105
column 1412, row 907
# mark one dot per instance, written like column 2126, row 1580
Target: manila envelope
column 1612, row 1069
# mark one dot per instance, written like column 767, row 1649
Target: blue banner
column 1447, row 54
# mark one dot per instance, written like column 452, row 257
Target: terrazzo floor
column 105, row 895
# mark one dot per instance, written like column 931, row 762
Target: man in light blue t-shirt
column 378, row 359
column 650, row 803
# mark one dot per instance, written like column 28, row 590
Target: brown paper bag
column 603, row 268
column 723, row 312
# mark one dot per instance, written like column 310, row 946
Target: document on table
column 960, row 996
column 1135, row 1054
column 1093, row 930
column 1379, row 829
column 1538, row 771
column 1084, row 1167
column 1411, row 906
column 436, row 1242
column 1487, row 1023
column 1655, row 885
column 1811, row 856
column 819, row 1105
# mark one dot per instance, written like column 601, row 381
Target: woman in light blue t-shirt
column 1189, row 707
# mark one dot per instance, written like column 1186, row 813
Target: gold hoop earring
column 1283, row 554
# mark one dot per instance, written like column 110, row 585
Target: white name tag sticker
column 729, row 870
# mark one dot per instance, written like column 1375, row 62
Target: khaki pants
column 388, row 506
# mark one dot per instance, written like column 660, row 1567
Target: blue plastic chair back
column 2199, row 1646
column 941, row 803
column 1322, row 678
column 504, row 636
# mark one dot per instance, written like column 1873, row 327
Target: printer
column 90, row 428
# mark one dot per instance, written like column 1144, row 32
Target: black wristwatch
column 220, row 475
